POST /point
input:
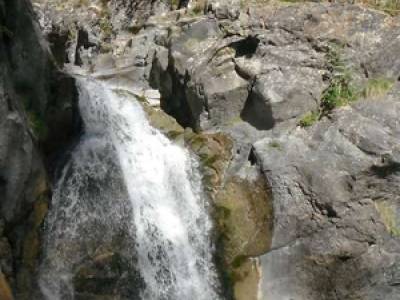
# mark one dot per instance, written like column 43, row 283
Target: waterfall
column 126, row 178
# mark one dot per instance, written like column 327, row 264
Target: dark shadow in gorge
column 257, row 112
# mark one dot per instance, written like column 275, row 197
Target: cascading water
column 126, row 177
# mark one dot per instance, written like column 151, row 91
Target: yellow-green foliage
column 197, row 9
column 388, row 216
column 377, row 87
column 275, row 144
column 106, row 26
column 309, row 119
column 174, row 4
column 389, row 6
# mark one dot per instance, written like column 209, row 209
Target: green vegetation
column 275, row 144
column 239, row 260
column 37, row 124
column 106, row 26
column 391, row 7
column 174, row 4
column 377, row 87
column 388, row 216
column 35, row 121
column 197, row 10
column 340, row 91
column 309, row 119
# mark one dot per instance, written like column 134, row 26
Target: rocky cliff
column 292, row 109
column 36, row 106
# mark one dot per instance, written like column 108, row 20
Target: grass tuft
column 309, row 119
column 377, row 87
column 388, row 216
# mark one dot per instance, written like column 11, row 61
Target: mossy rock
column 214, row 151
column 248, row 225
column 244, row 218
column 246, row 278
column 163, row 122
column 26, row 277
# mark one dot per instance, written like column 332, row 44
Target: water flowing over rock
column 129, row 190
column 285, row 114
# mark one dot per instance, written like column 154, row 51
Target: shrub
column 340, row 91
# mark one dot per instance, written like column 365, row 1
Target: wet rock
column 5, row 290
column 106, row 276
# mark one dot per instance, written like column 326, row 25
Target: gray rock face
column 37, row 117
column 252, row 72
column 336, row 206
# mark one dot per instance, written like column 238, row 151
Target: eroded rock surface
column 301, row 213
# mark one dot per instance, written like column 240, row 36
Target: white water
column 145, row 185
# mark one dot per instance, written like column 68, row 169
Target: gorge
column 202, row 149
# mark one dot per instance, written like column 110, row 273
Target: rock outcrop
column 335, row 189
column 292, row 110
column 37, row 116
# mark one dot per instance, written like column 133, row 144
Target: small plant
column 309, row 119
column 142, row 98
column 106, row 26
column 174, row 4
column 377, row 87
column 340, row 91
column 197, row 9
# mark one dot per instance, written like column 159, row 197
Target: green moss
column 377, row 87
column 275, row 144
column 238, row 261
column 309, row 119
column 223, row 212
column 38, row 125
column 141, row 98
